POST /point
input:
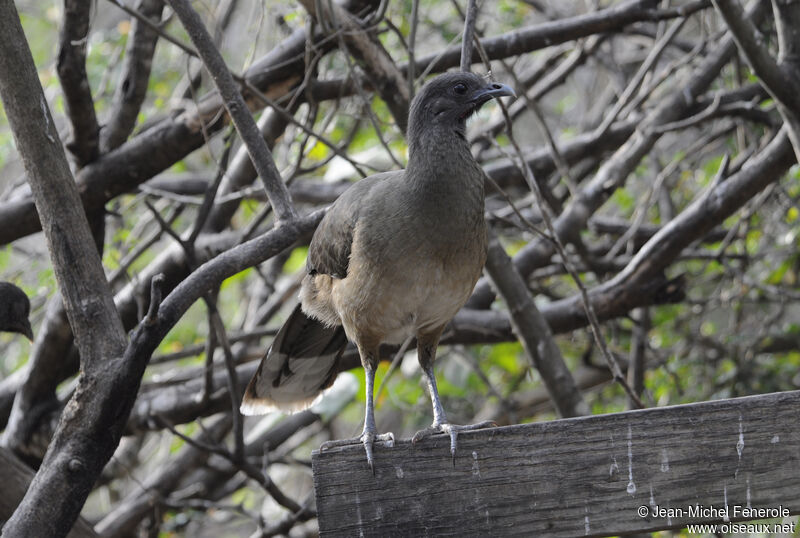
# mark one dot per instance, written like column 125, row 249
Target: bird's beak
column 26, row 329
column 492, row 91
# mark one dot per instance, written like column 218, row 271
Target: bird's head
column 449, row 99
column 14, row 310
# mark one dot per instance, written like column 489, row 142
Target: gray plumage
column 14, row 310
column 396, row 255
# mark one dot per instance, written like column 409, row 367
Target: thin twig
column 155, row 300
column 412, row 40
column 393, row 366
column 249, row 469
column 468, row 35
column 636, row 81
column 237, row 109
column 156, row 28
column 591, row 316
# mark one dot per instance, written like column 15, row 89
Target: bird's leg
column 426, row 354
column 439, row 416
column 370, row 432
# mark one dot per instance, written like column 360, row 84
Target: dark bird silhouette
column 396, row 255
column 14, row 310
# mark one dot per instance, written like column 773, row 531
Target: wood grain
column 583, row 476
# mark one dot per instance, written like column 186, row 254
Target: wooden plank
column 585, row 476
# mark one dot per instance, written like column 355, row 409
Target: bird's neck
column 441, row 158
column 445, row 180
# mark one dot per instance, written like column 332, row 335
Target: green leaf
column 297, row 260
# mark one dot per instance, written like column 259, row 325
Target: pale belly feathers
column 380, row 302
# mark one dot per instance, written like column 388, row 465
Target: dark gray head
column 448, row 100
column 14, row 310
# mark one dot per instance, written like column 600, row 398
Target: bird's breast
column 410, row 284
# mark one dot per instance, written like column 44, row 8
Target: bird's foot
column 367, row 438
column 452, row 430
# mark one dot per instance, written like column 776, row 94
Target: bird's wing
column 329, row 252
column 303, row 358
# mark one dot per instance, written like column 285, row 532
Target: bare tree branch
column 159, row 147
column 468, row 35
column 87, row 297
column 240, row 115
column 16, row 478
column 381, row 70
column 781, row 79
column 132, row 87
column 74, row 36
column 615, row 170
column 559, row 31
column 130, row 512
column 534, row 333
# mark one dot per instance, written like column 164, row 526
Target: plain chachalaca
column 14, row 310
column 395, row 256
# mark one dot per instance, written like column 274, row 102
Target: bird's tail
column 301, row 362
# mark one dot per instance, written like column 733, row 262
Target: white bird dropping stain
column 631, row 486
column 652, row 499
column 664, row 461
column 586, row 528
column 476, row 470
column 360, row 519
column 614, row 468
column 725, row 493
column 398, row 471
column 739, row 447
column 748, row 493
column 740, row 442
column 775, row 439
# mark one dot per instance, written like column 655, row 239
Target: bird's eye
column 460, row 89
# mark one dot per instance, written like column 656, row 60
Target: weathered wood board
column 590, row 476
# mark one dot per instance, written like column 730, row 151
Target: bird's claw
column 452, row 430
column 367, row 438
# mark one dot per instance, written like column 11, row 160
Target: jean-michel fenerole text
column 725, row 513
